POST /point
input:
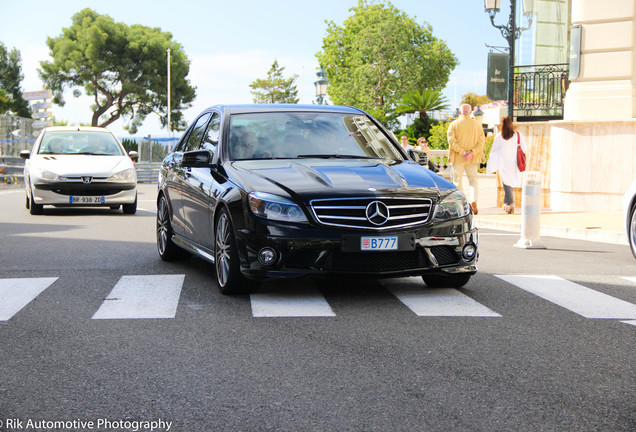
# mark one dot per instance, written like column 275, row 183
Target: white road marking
column 630, row 278
column 630, row 322
column 308, row 303
column 442, row 302
column 574, row 297
column 150, row 296
column 19, row 292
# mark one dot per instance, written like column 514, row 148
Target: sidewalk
column 606, row 227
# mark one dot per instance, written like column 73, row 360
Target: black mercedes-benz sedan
column 277, row 191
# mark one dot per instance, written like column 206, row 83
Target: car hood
column 79, row 165
column 315, row 178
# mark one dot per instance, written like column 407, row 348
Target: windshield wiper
column 336, row 156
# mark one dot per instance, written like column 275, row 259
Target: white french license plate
column 86, row 200
column 379, row 243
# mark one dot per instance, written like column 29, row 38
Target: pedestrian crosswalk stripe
column 442, row 302
column 305, row 303
column 152, row 296
column 16, row 293
column 630, row 278
column 574, row 297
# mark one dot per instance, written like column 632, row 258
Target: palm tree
column 422, row 101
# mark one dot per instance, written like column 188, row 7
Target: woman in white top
column 503, row 158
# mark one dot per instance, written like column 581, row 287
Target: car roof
column 76, row 128
column 261, row 108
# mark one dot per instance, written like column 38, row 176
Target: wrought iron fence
column 539, row 91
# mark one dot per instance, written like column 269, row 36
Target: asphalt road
column 538, row 339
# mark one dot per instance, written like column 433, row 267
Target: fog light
column 469, row 251
column 267, row 256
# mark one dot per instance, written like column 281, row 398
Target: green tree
column 474, row 100
column 438, row 138
column 275, row 88
column 123, row 67
column 10, row 83
column 422, row 101
column 379, row 54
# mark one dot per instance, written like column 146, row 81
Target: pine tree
column 276, row 88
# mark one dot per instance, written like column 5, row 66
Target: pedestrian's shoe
column 474, row 206
column 509, row 208
column 506, row 208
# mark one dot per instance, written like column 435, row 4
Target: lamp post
column 511, row 33
column 169, row 122
column 321, row 86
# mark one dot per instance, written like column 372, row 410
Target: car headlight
column 274, row 207
column 127, row 175
column 48, row 175
column 453, row 206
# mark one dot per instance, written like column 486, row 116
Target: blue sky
column 232, row 43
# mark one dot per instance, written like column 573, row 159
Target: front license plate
column 86, row 200
column 379, row 243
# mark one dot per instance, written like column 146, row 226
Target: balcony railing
column 539, row 91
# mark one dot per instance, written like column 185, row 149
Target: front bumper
column 62, row 193
column 441, row 248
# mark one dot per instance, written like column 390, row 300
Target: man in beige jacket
column 466, row 151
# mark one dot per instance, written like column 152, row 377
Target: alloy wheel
column 223, row 250
column 632, row 231
column 163, row 226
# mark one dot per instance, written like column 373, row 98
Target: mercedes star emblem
column 377, row 213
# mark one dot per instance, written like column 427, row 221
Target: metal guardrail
column 11, row 169
column 147, row 172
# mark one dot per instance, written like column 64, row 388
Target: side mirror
column 196, row 159
column 134, row 155
column 413, row 155
column 419, row 156
column 25, row 154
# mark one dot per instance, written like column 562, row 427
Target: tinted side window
column 196, row 135
column 211, row 138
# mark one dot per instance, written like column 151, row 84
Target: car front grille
column 87, row 192
column 445, row 255
column 336, row 260
column 375, row 261
column 78, row 188
column 372, row 213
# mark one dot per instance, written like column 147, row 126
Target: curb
column 595, row 235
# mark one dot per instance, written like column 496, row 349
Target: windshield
column 306, row 134
column 80, row 142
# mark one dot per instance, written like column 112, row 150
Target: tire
column 226, row 259
column 446, row 281
column 168, row 251
column 35, row 209
column 632, row 230
column 130, row 208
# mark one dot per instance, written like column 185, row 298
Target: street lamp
column 169, row 121
column 321, row 86
column 511, row 33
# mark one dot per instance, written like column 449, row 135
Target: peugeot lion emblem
column 87, row 179
column 377, row 213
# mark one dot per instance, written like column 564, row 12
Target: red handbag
column 521, row 156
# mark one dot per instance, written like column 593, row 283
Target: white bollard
column 530, row 212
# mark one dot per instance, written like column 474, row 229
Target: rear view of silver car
column 79, row 166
